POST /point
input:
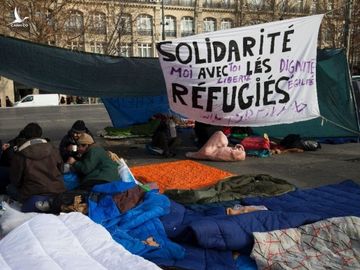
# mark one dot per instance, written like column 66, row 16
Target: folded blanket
column 233, row 188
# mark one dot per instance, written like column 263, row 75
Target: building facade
column 133, row 27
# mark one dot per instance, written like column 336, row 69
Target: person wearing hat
column 94, row 166
column 68, row 144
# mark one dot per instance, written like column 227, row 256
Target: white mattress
column 69, row 241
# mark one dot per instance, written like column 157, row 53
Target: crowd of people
column 32, row 169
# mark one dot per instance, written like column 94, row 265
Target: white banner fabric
column 251, row 76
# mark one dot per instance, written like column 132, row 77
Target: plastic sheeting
column 77, row 73
column 127, row 111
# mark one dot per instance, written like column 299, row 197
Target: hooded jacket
column 36, row 169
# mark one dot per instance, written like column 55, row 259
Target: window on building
column 44, row 15
column 227, row 4
column 187, row 3
column 97, row 23
column 124, row 50
column 97, row 47
column 144, row 50
column 75, row 46
column 209, row 25
column 75, row 21
column 329, row 5
column 170, row 26
column 187, row 26
column 207, row 3
column 329, row 32
column 144, row 25
column 255, row 4
column 296, row 6
column 226, row 24
column 124, row 24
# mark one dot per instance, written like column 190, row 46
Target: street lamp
column 162, row 20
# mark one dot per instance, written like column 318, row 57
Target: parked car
column 38, row 100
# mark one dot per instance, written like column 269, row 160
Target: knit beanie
column 85, row 138
column 31, row 131
column 79, row 127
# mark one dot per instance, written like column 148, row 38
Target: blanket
column 68, row 241
column 132, row 228
column 213, row 229
column 184, row 174
column 334, row 243
column 233, row 188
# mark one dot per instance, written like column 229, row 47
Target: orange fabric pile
column 184, row 174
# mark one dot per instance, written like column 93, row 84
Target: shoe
column 43, row 206
column 154, row 150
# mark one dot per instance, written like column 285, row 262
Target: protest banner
column 251, row 76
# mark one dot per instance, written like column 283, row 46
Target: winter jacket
column 36, row 169
column 96, row 165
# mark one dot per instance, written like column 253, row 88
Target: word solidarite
column 218, row 51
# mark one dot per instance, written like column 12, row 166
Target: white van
column 38, row 100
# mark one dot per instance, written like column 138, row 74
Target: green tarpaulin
column 81, row 74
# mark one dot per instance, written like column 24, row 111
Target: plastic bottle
column 125, row 173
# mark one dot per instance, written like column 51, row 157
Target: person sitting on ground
column 36, row 170
column 164, row 140
column 216, row 148
column 94, row 166
column 68, row 144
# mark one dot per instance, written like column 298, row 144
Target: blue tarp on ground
column 127, row 111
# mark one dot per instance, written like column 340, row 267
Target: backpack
column 295, row 141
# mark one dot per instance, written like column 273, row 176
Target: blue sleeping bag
column 215, row 230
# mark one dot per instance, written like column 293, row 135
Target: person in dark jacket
column 68, row 144
column 95, row 165
column 164, row 140
column 36, row 169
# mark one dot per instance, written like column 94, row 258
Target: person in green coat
column 94, row 166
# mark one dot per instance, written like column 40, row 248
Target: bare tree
column 67, row 22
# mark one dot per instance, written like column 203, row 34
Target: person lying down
column 217, row 149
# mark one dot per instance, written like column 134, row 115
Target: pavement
column 330, row 164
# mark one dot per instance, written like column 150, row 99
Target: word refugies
column 234, row 98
